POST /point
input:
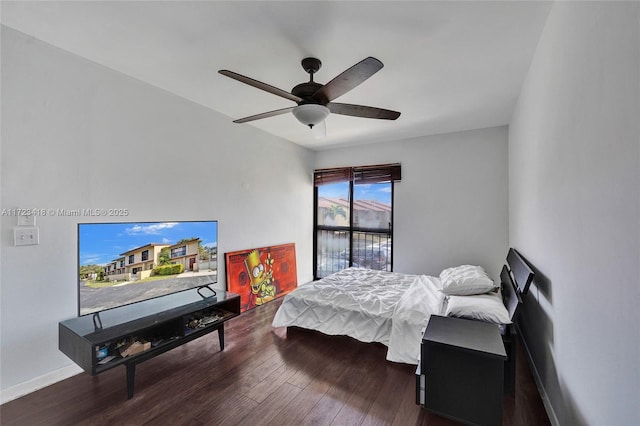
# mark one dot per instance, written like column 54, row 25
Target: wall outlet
column 26, row 235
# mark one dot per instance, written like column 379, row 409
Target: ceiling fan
column 315, row 100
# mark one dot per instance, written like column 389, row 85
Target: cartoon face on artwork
column 261, row 276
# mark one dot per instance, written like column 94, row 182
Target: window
column 354, row 218
column 131, row 260
column 145, row 255
column 179, row 251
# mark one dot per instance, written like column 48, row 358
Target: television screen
column 127, row 262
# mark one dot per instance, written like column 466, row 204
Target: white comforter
column 372, row 306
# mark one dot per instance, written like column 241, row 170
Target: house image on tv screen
column 138, row 263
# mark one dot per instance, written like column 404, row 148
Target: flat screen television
column 128, row 262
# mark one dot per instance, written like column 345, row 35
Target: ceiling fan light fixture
column 310, row 114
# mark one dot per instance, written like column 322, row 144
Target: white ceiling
column 449, row 65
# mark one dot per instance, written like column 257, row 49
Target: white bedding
column 372, row 306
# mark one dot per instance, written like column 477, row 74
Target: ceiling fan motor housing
column 306, row 91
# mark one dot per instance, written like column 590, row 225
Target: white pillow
column 486, row 307
column 465, row 280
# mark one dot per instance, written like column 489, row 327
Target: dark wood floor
column 264, row 376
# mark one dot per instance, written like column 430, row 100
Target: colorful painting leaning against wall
column 261, row 275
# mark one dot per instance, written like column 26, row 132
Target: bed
column 393, row 308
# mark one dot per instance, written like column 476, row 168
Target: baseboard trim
column 536, row 377
column 24, row 388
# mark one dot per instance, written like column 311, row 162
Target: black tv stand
column 136, row 333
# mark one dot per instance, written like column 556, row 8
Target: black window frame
column 385, row 173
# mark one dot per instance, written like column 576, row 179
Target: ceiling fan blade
column 362, row 111
column 260, row 85
column 349, row 79
column 264, row 115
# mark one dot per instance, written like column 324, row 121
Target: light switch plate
column 26, row 235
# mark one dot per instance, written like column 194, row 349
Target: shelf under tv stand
column 161, row 325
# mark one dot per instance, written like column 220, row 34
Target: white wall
column 574, row 203
column 77, row 135
column 451, row 206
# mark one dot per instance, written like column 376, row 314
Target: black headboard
column 511, row 298
column 522, row 273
